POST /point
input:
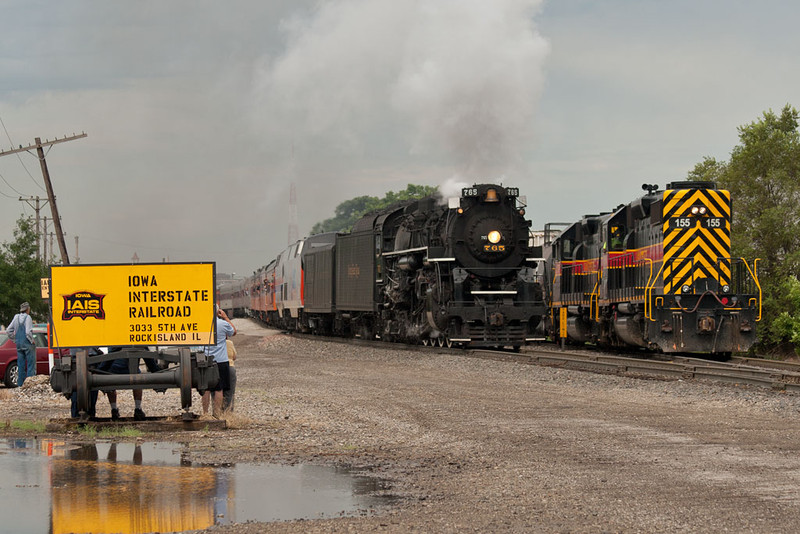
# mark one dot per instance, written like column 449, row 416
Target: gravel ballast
column 486, row 446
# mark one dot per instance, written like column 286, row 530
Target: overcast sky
column 199, row 114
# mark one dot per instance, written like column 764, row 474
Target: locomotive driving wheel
column 82, row 381
column 185, row 377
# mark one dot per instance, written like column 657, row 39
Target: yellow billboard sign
column 140, row 304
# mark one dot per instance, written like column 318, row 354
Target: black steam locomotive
column 655, row 273
column 422, row 271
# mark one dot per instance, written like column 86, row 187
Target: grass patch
column 26, row 426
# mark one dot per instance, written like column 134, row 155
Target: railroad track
column 770, row 374
column 780, row 376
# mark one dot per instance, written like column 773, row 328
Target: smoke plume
column 452, row 81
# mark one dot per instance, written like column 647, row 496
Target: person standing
column 227, row 396
column 21, row 331
column 219, row 352
column 121, row 366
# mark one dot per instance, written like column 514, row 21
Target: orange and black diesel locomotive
column 655, row 273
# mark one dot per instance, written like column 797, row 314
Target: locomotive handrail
column 754, row 276
column 594, row 299
column 650, row 262
column 648, row 292
column 406, row 251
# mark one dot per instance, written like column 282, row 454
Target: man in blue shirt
column 21, row 331
column 225, row 329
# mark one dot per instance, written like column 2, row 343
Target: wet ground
column 141, row 487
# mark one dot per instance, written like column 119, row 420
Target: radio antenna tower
column 293, row 231
column 293, row 226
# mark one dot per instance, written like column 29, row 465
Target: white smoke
column 456, row 81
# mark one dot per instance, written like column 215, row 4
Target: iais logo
column 83, row 304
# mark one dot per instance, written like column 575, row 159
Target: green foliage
column 786, row 326
column 763, row 176
column 26, row 426
column 349, row 211
column 21, row 274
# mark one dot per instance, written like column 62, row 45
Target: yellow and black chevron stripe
column 696, row 244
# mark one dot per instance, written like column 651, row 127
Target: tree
column 763, row 176
column 349, row 211
column 21, row 274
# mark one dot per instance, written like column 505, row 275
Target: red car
column 8, row 356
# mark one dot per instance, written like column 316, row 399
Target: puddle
column 58, row 487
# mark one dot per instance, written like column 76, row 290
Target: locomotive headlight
column 695, row 210
column 494, row 237
column 703, row 210
column 726, row 288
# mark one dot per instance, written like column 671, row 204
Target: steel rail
column 680, row 368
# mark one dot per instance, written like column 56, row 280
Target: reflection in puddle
column 58, row 487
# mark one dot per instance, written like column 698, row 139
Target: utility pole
column 77, row 256
column 44, row 242
column 36, row 208
column 39, row 146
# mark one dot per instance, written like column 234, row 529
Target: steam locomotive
column 420, row 271
column 655, row 273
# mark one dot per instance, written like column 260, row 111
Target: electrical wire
column 10, row 187
column 20, row 158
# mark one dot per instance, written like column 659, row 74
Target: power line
column 20, row 160
column 10, row 187
column 39, row 146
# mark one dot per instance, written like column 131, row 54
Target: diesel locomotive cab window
column 566, row 249
column 616, row 236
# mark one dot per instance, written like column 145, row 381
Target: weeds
column 26, row 426
column 236, row 420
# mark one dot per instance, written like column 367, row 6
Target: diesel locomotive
column 655, row 273
column 425, row 271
